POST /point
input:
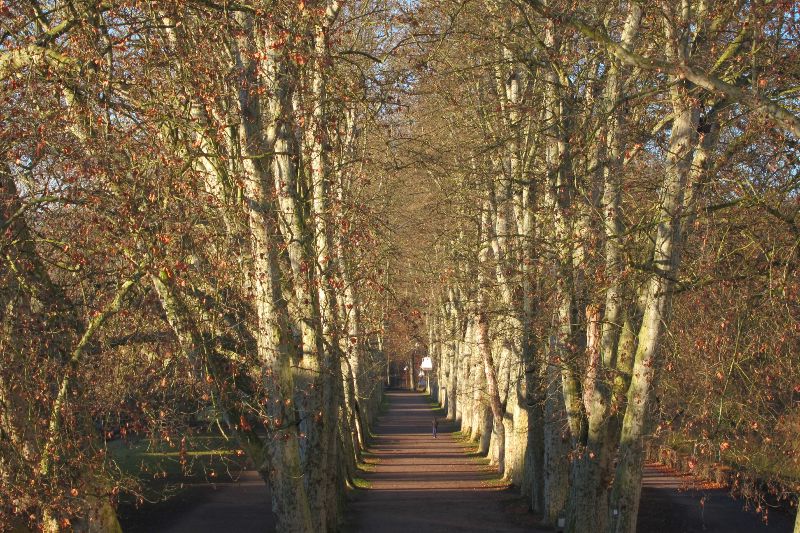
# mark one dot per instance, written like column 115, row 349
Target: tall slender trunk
column 534, row 456
column 322, row 483
column 665, row 263
column 517, row 428
column 349, row 442
column 556, row 442
column 588, row 505
column 453, row 381
column 298, row 229
column 533, row 364
column 561, row 402
column 481, row 413
column 464, row 403
column 588, row 497
column 289, row 499
column 492, row 389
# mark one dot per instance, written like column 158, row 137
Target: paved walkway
column 243, row 507
column 675, row 503
column 424, row 485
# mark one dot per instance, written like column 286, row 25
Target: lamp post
column 425, row 367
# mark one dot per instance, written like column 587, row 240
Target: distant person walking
column 435, row 424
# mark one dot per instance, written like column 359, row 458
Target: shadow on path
column 675, row 503
column 243, row 506
column 422, row 484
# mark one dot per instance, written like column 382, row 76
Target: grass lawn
column 156, row 469
column 763, row 463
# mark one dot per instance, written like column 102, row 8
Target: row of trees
column 186, row 227
column 620, row 261
column 204, row 203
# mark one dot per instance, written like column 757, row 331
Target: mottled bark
column 492, row 388
column 323, row 488
column 588, row 505
column 289, row 498
column 665, row 263
column 535, row 453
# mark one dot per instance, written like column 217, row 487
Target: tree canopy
column 245, row 218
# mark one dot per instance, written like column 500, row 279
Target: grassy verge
column 462, row 437
column 368, row 466
column 361, row 483
column 369, row 459
column 384, row 405
column 760, row 462
column 156, row 470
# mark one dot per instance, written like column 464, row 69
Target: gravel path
column 421, row 484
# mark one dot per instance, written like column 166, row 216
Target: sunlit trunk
column 665, row 264
column 492, row 388
column 588, row 505
column 289, row 499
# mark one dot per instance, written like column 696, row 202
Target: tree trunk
column 535, row 453
column 289, row 499
column 556, row 447
column 480, row 411
column 464, row 402
column 588, row 503
column 492, row 389
column 517, row 430
column 588, row 506
column 665, row 263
